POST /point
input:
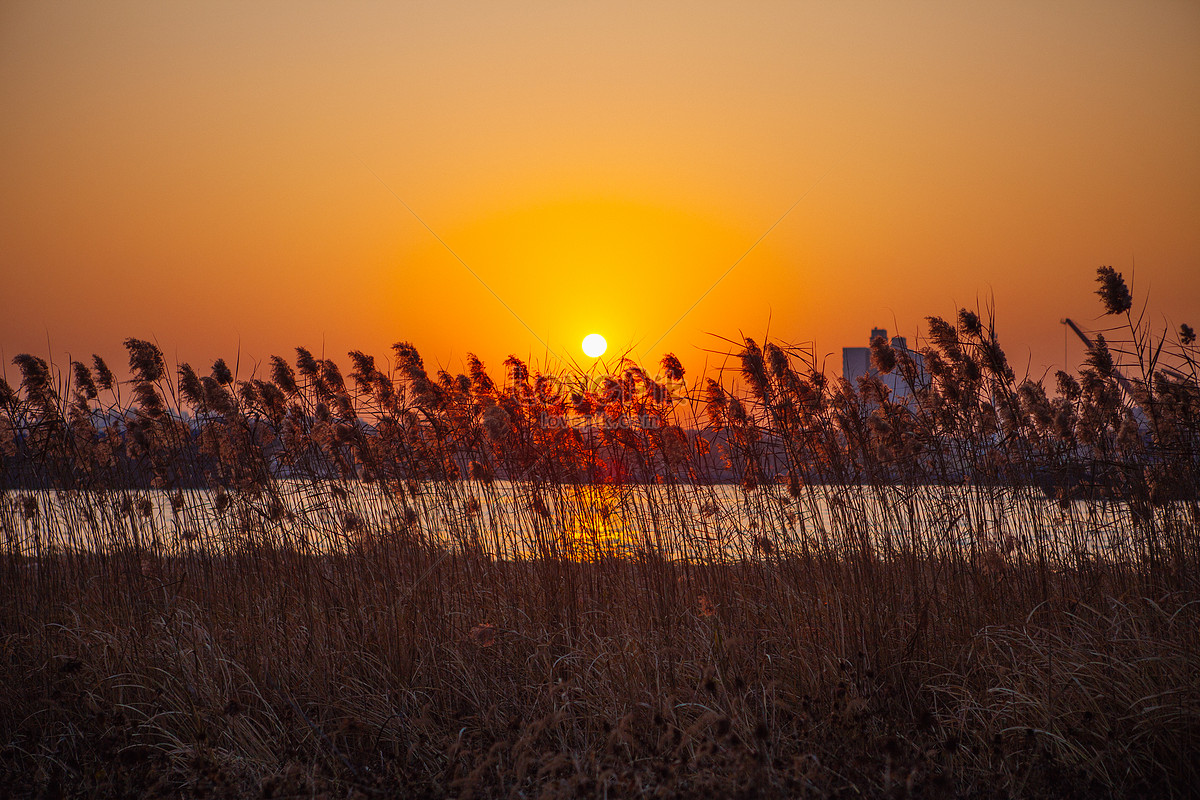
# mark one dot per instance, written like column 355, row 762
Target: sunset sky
column 225, row 176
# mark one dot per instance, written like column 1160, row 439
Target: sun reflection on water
column 596, row 523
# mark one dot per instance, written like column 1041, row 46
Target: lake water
column 514, row 519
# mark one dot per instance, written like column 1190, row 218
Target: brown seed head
column 1114, row 294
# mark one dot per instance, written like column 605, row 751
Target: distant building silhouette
column 856, row 363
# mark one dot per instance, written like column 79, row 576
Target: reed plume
column 83, row 381
column 105, row 379
column 1114, row 294
column 145, row 360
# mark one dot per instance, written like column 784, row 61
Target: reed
column 775, row 584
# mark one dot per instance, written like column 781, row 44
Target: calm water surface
column 513, row 519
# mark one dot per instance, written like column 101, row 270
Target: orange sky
column 228, row 174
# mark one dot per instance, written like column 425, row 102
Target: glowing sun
column 594, row 345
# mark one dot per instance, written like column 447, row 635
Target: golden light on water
column 596, row 524
column 594, row 345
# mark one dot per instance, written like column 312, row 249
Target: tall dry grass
column 392, row 582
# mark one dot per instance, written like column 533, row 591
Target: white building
column 856, row 363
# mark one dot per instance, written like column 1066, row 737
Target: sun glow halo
column 594, row 345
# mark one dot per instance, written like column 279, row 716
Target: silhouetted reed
column 942, row 578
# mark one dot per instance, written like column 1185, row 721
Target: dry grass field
column 773, row 583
